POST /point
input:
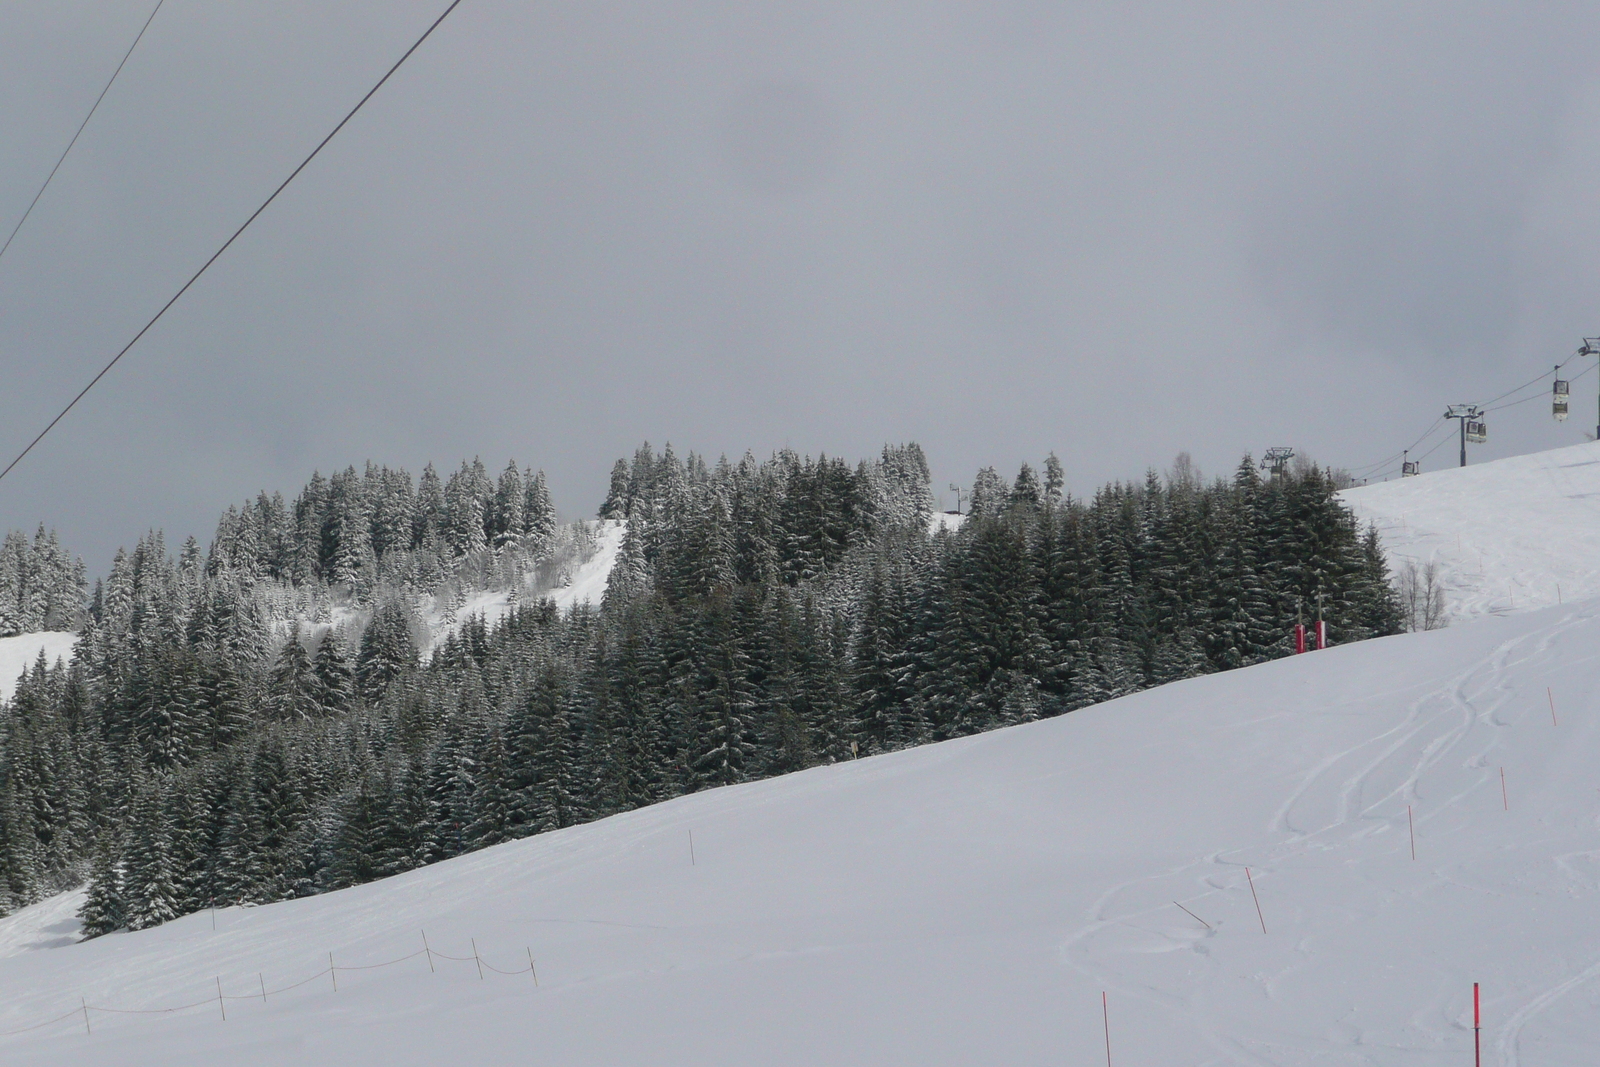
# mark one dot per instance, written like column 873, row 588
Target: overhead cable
column 218, row 253
column 92, row 108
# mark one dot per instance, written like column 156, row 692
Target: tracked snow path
column 1510, row 535
column 966, row 903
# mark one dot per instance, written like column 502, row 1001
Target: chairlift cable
column 1538, row 396
column 225, row 245
column 92, row 108
column 1434, row 426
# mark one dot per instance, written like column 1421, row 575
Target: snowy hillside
column 20, row 653
column 578, row 576
column 1510, row 535
column 967, row 903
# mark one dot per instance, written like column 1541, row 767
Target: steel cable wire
column 226, row 244
column 92, row 108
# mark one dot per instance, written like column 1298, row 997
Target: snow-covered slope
column 19, row 653
column 1510, row 535
column 582, row 582
column 588, row 581
column 969, row 902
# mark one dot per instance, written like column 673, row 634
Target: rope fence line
column 331, row 972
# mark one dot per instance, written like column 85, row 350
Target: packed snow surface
column 19, row 653
column 1510, row 535
column 969, row 902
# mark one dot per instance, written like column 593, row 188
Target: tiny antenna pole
column 1255, row 898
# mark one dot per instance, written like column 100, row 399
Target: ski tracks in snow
column 1434, row 756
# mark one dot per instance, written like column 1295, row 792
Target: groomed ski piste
column 1229, row 860
column 1506, row 536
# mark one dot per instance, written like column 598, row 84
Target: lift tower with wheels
column 1277, row 460
column 1591, row 347
column 1473, row 428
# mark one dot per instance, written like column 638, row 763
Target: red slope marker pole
column 1552, row 699
column 1412, row 826
column 1505, row 800
column 1477, row 1029
column 1105, row 1013
column 1255, row 898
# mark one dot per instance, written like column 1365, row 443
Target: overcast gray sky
column 1115, row 231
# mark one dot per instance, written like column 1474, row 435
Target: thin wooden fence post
column 1411, row 825
column 1505, row 799
column 691, row 848
column 333, row 973
column 85, row 1004
column 531, row 969
column 1105, row 1015
column 1552, row 698
column 475, row 958
column 1255, row 898
column 263, row 980
column 427, row 951
column 223, row 1008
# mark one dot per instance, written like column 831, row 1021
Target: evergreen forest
column 308, row 703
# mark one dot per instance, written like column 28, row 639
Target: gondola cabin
column 1477, row 431
column 1559, row 394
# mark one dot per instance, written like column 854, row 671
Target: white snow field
column 19, row 653
column 967, row 903
column 1509, row 535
